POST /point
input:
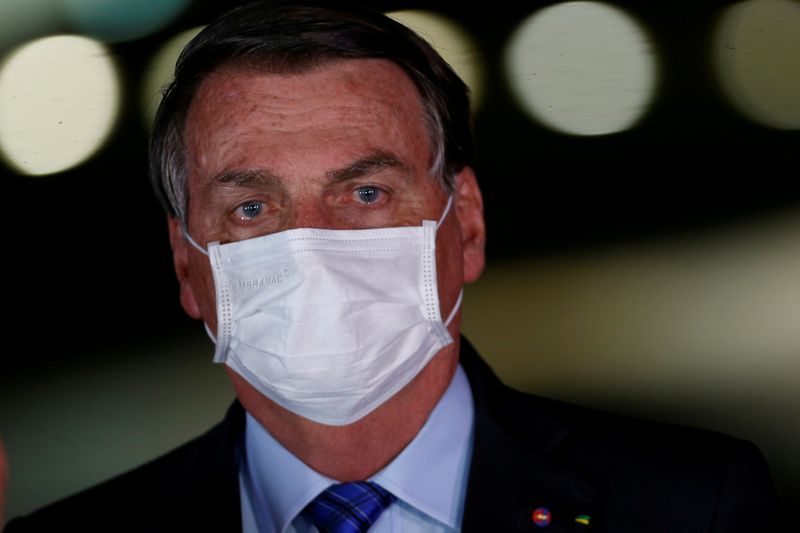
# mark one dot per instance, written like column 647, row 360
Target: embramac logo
column 269, row 280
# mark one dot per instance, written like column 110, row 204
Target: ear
column 180, row 259
column 469, row 208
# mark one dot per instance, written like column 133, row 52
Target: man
column 323, row 216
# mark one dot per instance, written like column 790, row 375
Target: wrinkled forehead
column 353, row 83
column 237, row 112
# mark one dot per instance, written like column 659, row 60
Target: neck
column 355, row 451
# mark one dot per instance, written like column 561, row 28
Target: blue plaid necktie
column 348, row 507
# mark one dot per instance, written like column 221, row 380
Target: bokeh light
column 160, row 71
column 583, row 68
column 756, row 50
column 121, row 20
column 59, row 98
column 453, row 43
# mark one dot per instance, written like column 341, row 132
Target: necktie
column 348, row 507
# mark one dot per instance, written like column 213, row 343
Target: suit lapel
column 212, row 494
column 516, row 470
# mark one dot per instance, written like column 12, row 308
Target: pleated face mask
column 330, row 323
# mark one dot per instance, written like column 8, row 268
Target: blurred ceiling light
column 160, row 71
column 59, row 98
column 21, row 20
column 121, row 20
column 452, row 42
column 756, row 51
column 583, row 68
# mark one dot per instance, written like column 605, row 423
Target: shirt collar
column 430, row 474
column 278, row 484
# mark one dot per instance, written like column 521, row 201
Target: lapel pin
column 583, row 519
column 541, row 517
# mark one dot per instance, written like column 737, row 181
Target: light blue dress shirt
column 429, row 477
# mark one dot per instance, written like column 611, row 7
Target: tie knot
column 348, row 507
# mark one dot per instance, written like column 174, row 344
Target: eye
column 368, row 194
column 249, row 211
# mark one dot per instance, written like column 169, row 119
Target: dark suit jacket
column 619, row 474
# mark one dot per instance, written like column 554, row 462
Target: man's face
column 342, row 146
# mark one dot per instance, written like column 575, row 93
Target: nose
column 307, row 212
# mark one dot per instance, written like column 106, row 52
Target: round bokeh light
column 583, row 68
column 59, row 99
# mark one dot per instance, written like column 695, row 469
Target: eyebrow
column 244, row 178
column 366, row 166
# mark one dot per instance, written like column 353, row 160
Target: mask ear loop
column 455, row 308
column 457, row 305
column 193, row 242
column 210, row 333
column 446, row 210
column 204, row 252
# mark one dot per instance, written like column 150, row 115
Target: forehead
column 327, row 115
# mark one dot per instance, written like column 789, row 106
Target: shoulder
column 652, row 452
column 632, row 472
column 647, row 469
column 600, row 439
column 195, row 484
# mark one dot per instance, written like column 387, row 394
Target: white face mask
column 329, row 323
